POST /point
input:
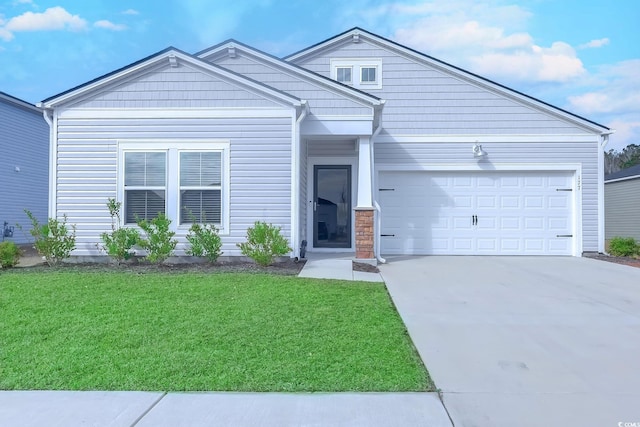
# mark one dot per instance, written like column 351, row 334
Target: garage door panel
column 533, row 202
column 510, row 202
column 518, row 213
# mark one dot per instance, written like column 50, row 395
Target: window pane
column 144, row 204
column 200, row 169
column 144, row 169
column 369, row 74
column 343, row 74
column 203, row 206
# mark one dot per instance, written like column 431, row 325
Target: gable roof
column 292, row 68
column 357, row 33
column 630, row 173
column 17, row 102
column 171, row 55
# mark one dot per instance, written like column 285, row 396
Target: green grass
column 235, row 332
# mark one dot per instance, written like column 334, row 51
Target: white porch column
column 364, row 211
column 365, row 177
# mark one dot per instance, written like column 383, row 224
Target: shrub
column 159, row 241
column 205, row 241
column 120, row 242
column 621, row 246
column 264, row 242
column 53, row 240
column 9, row 254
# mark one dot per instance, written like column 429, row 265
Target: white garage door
column 476, row 213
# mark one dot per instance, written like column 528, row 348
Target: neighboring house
column 356, row 144
column 24, row 167
column 622, row 203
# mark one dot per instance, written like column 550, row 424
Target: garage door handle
column 564, row 235
column 387, row 235
column 474, row 219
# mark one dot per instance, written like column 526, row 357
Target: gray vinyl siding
column 260, row 169
column 332, row 148
column 303, row 192
column 181, row 87
column 622, row 209
column 24, row 144
column 421, row 99
column 321, row 100
column 416, row 155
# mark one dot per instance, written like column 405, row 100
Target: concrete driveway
column 525, row 341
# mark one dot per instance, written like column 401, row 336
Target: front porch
column 337, row 210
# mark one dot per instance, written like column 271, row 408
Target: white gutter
column 603, row 142
column 378, row 227
column 48, row 117
column 295, row 181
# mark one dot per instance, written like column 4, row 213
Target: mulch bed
column 287, row 267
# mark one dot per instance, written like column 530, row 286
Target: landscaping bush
column 204, row 241
column 264, row 242
column 120, row 242
column 53, row 240
column 9, row 254
column 624, row 246
column 159, row 241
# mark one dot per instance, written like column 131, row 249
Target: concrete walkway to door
column 525, row 341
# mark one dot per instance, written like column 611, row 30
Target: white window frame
column 373, row 82
column 357, row 64
column 172, row 187
column 200, row 188
column 142, row 187
column 350, row 81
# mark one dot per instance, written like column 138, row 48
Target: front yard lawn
column 77, row 330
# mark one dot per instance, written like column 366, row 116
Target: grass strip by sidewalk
column 232, row 332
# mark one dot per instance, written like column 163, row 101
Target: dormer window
column 368, row 75
column 361, row 73
column 343, row 74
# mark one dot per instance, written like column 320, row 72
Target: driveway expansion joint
column 149, row 409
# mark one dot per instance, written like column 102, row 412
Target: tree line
column 615, row 161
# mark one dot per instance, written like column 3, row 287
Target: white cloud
column 6, row 35
column 619, row 92
column 54, row 18
column 130, row 12
column 473, row 38
column 595, row 44
column 557, row 63
column 108, row 25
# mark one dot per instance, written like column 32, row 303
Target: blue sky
column 581, row 55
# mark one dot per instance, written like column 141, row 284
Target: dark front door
column 332, row 206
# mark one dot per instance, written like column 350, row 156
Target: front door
column 332, row 206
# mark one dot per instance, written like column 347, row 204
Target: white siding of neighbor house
column 24, row 144
column 260, row 169
column 321, row 100
column 180, row 87
column 415, row 155
column 622, row 209
column 421, row 99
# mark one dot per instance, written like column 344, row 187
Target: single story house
column 356, row 144
column 24, row 167
column 622, row 203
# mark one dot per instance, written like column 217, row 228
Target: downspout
column 604, row 140
column 378, row 228
column 295, row 181
column 48, row 117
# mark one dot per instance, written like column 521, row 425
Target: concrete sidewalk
column 335, row 266
column 127, row 409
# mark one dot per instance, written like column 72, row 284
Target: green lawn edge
column 74, row 330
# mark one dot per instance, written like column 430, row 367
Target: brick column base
column 364, row 233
